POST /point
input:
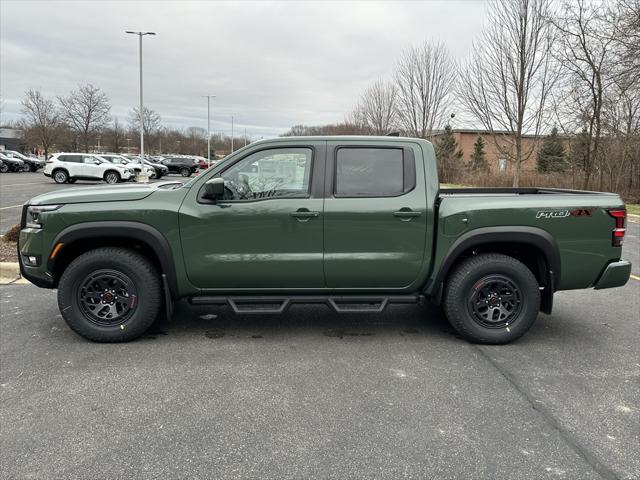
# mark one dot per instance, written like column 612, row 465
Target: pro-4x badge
column 576, row 212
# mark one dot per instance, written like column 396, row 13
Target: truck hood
column 115, row 193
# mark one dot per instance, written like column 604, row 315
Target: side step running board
column 274, row 304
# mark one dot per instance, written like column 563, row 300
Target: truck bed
column 515, row 191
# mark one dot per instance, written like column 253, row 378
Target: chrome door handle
column 406, row 214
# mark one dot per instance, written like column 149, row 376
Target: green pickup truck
column 355, row 223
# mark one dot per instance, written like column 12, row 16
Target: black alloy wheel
column 107, row 297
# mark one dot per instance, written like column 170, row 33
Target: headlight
column 33, row 219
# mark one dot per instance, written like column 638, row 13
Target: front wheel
column 185, row 172
column 491, row 298
column 111, row 178
column 4, row 168
column 110, row 295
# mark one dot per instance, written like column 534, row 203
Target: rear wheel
column 60, row 176
column 4, row 168
column 26, row 167
column 111, row 177
column 110, row 295
column 185, row 172
column 491, row 298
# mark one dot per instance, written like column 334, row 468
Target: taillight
column 620, row 216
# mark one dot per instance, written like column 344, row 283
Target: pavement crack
column 574, row 443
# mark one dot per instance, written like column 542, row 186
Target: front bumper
column 30, row 242
column 615, row 275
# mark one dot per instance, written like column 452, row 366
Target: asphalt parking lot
column 314, row 394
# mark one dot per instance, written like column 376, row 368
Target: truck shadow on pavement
column 215, row 322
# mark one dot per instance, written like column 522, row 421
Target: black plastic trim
column 537, row 237
column 135, row 230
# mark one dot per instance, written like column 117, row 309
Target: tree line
column 82, row 121
column 568, row 70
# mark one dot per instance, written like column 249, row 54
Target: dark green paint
column 353, row 245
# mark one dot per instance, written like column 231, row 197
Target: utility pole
column 141, row 112
column 231, row 133
column 209, row 97
column 245, row 137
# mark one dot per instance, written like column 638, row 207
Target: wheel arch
column 534, row 247
column 82, row 237
column 64, row 169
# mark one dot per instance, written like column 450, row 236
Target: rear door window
column 373, row 172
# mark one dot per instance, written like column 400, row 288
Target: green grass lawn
column 633, row 208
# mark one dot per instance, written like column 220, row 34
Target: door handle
column 406, row 214
column 304, row 214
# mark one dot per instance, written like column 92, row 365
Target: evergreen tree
column 551, row 156
column 449, row 155
column 478, row 158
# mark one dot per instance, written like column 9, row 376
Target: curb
column 9, row 272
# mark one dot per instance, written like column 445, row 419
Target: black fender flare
column 135, row 230
column 537, row 237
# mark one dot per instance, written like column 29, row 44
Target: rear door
column 375, row 219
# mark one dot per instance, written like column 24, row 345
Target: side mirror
column 214, row 188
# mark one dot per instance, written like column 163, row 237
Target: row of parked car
column 12, row 161
column 109, row 167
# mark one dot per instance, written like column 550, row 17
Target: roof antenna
column 393, row 134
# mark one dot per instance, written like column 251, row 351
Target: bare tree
column 151, row 120
column 507, row 80
column 42, row 119
column 424, row 78
column 585, row 51
column 377, row 108
column 624, row 26
column 86, row 111
column 116, row 135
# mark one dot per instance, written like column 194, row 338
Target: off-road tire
column 112, row 177
column 462, row 290
column 60, row 176
column 144, row 277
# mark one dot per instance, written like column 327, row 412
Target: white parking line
column 12, row 206
column 19, row 184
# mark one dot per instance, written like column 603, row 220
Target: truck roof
column 367, row 138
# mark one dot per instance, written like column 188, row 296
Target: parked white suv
column 69, row 167
column 129, row 163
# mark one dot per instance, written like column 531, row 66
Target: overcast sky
column 271, row 64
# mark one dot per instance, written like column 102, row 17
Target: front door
column 375, row 215
column 266, row 234
column 91, row 167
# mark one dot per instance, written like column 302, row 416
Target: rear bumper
column 615, row 275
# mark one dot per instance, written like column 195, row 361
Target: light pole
column 209, row 97
column 231, row 133
column 141, row 112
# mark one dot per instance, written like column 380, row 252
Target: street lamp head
column 140, row 33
